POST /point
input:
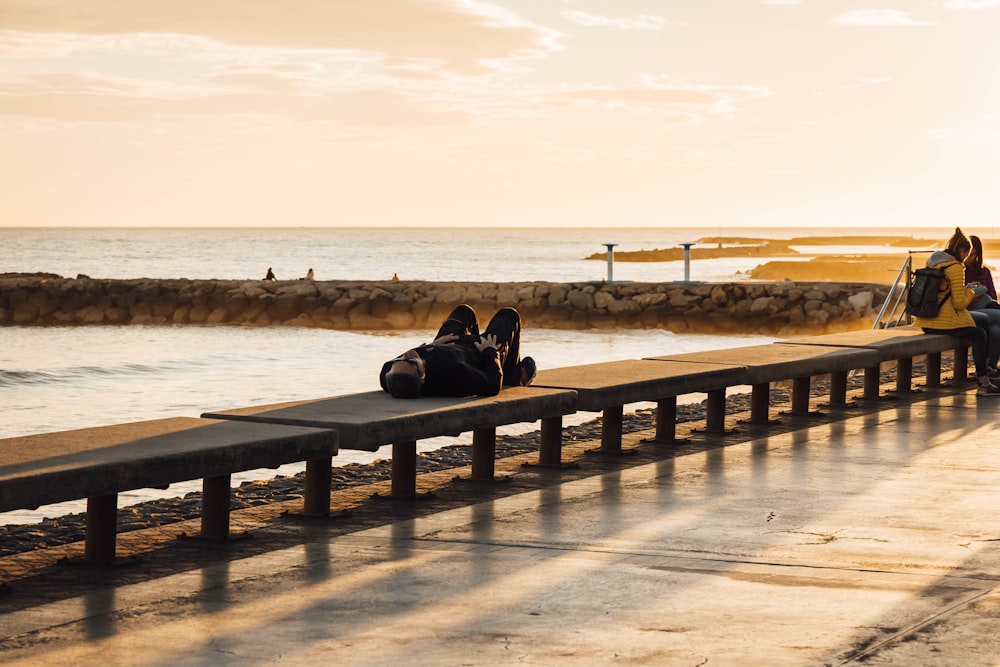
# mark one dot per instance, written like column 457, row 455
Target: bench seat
column 772, row 363
column 369, row 420
column 899, row 344
column 98, row 463
column 608, row 386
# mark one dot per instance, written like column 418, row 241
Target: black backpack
column 922, row 299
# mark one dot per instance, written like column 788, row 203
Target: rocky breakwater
column 773, row 308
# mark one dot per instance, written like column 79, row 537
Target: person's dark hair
column 402, row 384
column 975, row 259
column 957, row 243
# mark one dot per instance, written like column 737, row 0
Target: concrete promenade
column 868, row 535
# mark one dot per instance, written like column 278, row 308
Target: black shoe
column 988, row 389
column 528, row 371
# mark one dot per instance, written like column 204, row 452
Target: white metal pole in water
column 611, row 259
column 687, row 261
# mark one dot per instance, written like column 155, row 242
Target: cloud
column 971, row 4
column 74, row 98
column 677, row 102
column 463, row 36
column 878, row 17
column 134, row 76
column 647, row 96
column 871, row 81
column 641, row 22
column 964, row 134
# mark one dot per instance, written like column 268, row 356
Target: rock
column 861, row 302
column 696, row 307
column 581, row 300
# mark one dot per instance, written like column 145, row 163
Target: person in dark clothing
column 461, row 361
column 978, row 276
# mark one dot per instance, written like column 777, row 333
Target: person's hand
column 445, row 339
column 484, row 342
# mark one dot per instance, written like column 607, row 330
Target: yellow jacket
column 954, row 313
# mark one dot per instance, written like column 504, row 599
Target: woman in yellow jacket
column 954, row 317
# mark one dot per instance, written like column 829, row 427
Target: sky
column 506, row 113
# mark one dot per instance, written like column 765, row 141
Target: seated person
column 460, row 361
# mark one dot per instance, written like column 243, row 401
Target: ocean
column 60, row 378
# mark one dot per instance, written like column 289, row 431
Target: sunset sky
column 874, row 113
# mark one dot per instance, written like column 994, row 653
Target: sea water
column 60, row 378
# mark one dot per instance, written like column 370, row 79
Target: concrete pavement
column 869, row 537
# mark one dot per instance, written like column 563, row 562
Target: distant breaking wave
column 74, row 374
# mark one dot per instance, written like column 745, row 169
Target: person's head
column 975, row 258
column 958, row 245
column 406, row 375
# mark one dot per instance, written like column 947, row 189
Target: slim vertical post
column 687, row 261
column 611, row 260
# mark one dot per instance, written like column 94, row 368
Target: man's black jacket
column 457, row 369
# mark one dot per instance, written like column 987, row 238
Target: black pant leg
column 506, row 326
column 461, row 322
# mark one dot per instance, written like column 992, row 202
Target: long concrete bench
column 772, row 363
column 370, row 420
column 99, row 463
column 899, row 344
column 607, row 387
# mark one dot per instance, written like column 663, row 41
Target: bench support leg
column 102, row 521
column 760, row 400
column 666, row 420
column 715, row 417
column 800, row 395
column 961, row 366
column 934, row 369
column 484, row 450
column 550, row 447
column 904, row 375
column 319, row 474
column 611, row 430
column 404, row 469
column 872, row 381
column 215, row 495
column 838, row 389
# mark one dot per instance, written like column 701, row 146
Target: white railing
column 893, row 312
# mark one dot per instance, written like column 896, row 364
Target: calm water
column 58, row 378
column 494, row 255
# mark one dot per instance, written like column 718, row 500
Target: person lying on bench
column 460, row 361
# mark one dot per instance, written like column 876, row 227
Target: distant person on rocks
column 955, row 319
column 310, row 275
column 270, row 274
column 460, row 361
